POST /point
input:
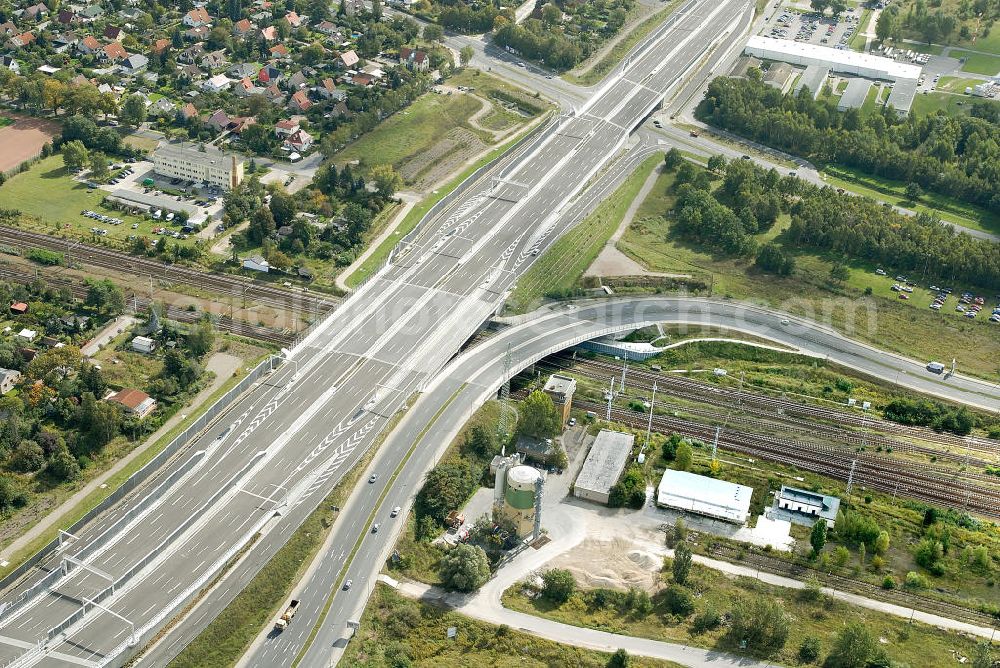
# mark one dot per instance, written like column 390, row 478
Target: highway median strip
column 371, row 516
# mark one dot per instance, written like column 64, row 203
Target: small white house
column 26, row 335
column 8, row 379
column 256, row 263
column 143, row 344
column 217, row 84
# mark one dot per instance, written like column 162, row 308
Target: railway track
column 745, row 415
column 139, row 304
column 891, row 476
column 261, row 293
column 988, row 451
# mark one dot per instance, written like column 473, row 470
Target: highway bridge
column 276, row 453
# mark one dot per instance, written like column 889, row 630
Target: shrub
column 888, row 582
column 706, row 620
column 915, row 580
column 558, row 585
column 809, row 649
column 678, row 601
column 759, row 622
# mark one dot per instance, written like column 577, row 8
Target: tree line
column 956, row 156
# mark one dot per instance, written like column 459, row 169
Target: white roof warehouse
column 702, row 495
column 844, row 61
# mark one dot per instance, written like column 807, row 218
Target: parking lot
column 811, row 28
column 944, row 298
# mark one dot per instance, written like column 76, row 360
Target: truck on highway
column 286, row 618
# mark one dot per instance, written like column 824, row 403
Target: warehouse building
column 804, row 507
column 901, row 97
column 843, row 61
column 706, row 496
column 854, row 95
column 604, row 466
column 198, row 165
column 814, row 78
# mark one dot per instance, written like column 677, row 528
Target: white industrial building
column 844, row 61
column 198, row 164
column 604, row 466
column 854, row 95
column 814, row 78
column 805, row 507
column 706, row 496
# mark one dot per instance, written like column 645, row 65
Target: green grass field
column 978, row 63
column 411, row 131
column 499, row 92
column 858, row 40
column 562, row 265
column 53, row 201
column 908, row 327
column 399, row 632
column 956, row 84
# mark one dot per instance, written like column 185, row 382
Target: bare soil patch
column 24, row 139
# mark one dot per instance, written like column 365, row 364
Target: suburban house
column 242, row 28
column 327, row 89
column 214, row 60
column 268, row 75
column 197, row 18
column 112, row 53
column 300, row 140
column 8, row 62
column 160, row 45
column 197, row 34
column 189, row 111
column 294, row 20
column 285, row 128
column 415, row 60
column 348, row 59
column 242, row 70
column 256, row 263
column 8, row 379
column 280, row 52
column 24, row 39
column 245, row 87
column 113, row 33
column 26, row 336
column 18, row 308
column 218, row 121
column 217, row 84
column 269, row 33
column 134, row 64
column 135, row 401
column 300, row 101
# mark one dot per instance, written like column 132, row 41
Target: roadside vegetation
column 397, row 632
column 558, row 273
column 600, row 69
column 746, row 616
column 928, row 152
column 562, row 34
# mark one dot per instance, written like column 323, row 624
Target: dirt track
column 24, row 139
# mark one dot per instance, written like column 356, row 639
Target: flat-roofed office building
column 191, row 163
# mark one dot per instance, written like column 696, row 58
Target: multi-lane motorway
column 286, row 443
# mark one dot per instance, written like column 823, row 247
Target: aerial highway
column 275, row 454
column 475, row 376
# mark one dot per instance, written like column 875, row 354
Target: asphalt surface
column 475, row 376
column 289, row 440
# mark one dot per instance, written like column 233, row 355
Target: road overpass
column 475, row 376
column 279, row 450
